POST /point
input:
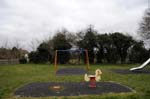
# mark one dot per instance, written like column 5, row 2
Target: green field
column 15, row 76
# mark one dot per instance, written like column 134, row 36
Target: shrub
column 23, row 61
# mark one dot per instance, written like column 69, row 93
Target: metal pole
column 87, row 60
column 55, row 61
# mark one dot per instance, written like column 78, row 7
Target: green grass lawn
column 15, row 76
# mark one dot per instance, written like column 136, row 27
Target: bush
column 36, row 57
column 23, row 61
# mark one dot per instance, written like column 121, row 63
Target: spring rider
column 92, row 79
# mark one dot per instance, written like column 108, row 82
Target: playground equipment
column 93, row 78
column 72, row 51
column 141, row 66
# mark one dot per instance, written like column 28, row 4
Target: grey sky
column 23, row 20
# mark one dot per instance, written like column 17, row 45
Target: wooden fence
column 9, row 61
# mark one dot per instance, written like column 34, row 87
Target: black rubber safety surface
column 71, row 71
column 69, row 89
column 127, row 71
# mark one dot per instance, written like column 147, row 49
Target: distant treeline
column 12, row 53
column 102, row 48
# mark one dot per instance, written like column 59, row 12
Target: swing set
column 72, row 51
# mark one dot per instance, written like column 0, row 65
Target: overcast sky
column 24, row 20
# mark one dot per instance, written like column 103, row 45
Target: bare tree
column 17, row 44
column 34, row 44
column 144, row 29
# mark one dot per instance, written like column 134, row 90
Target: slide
column 142, row 66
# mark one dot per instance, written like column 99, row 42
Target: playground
column 17, row 78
